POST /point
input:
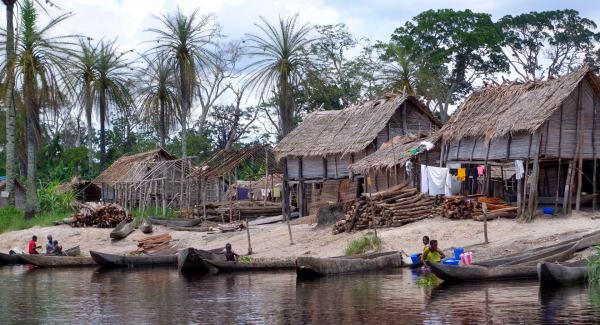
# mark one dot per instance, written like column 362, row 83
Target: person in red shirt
column 33, row 245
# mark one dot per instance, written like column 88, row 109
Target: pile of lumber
column 393, row 207
column 461, row 207
column 99, row 214
column 152, row 244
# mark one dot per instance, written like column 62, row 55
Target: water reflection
column 163, row 295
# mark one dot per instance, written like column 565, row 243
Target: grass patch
column 12, row 219
column 152, row 212
column 594, row 268
column 368, row 242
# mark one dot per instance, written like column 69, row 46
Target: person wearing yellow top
column 432, row 253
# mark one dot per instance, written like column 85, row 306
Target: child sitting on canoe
column 57, row 249
column 230, row 255
column 432, row 253
column 33, row 246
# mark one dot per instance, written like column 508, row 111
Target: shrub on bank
column 12, row 219
column 366, row 243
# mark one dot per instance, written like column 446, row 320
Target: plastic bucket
column 548, row 210
column 451, row 261
column 457, row 252
column 415, row 258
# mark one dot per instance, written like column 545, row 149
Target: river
column 164, row 296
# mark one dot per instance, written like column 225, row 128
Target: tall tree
column 458, row 47
column 84, row 76
column 281, row 60
column 9, row 101
column 41, row 67
column 229, row 123
column 158, row 94
column 111, row 87
column 187, row 40
column 562, row 37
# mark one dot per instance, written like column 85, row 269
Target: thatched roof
column 349, row 130
column 391, row 153
column 124, row 168
column 508, row 109
column 225, row 161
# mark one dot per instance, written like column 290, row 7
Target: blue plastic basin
column 548, row 210
column 457, row 252
column 415, row 258
column 451, row 261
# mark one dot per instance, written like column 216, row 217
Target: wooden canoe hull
column 58, row 261
column 194, row 260
column 271, row 265
column 554, row 253
column 122, row 230
column 307, row 266
column 113, row 260
column 175, row 222
column 452, row 273
column 550, row 274
column 7, row 259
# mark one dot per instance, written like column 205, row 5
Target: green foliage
column 53, row 199
column 153, row 212
column 245, row 259
column 368, row 242
column 594, row 268
column 12, row 219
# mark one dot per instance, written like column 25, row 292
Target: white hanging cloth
column 437, row 180
column 519, row 170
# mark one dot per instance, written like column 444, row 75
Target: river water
column 164, row 296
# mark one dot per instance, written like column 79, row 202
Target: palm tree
column 9, row 99
column 186, row 41
column 111, row 87
column 158, row 94
column 84, row 75
column 41, row 69
column 280, row 63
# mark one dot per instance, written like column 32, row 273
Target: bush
column 53, row 199
column 13, row 219
column 594, row 268
column 368, row 242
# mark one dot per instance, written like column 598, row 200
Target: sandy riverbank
column 506, row 236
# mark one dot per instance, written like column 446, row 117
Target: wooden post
column 485, row 219
column 203, row 183
column 164, row 198
column 532, row 204
column 301, row 192
column 266, row 175
column 404, row 118
column 285, row 193
column 248, row 233
column 580, row 130
column 594, row 200
column 558, row 172
column 229, row 198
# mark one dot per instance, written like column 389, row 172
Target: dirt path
column 506, row 236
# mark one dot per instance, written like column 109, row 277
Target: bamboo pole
column 580, row 149
column 594, row 200
column 164, row 198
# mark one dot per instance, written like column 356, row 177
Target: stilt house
column 551, row 126
column 316, row 155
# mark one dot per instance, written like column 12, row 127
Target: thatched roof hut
column 127, row 167
column 547, row 124
column 84, row 190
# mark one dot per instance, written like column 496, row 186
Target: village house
column 316, row 154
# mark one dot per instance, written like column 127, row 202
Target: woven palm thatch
column 392, row 153
column 225, row 161
column 126, row 167
column 508, row 109
column 349, row 130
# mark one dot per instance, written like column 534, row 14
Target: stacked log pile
column 152, row 244
column 461, row 207
column 98, row 214
column 393, row 207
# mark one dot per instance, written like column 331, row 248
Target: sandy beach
column 506, row 236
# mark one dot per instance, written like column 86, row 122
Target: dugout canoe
column 113, row 260
column 220, row 266
column 175, row 222
column 551, row 274
column 122, row 230
column 450, row 273
column 194, row 260
column 7, row 259
column 145, row 226
column 58, row 261
column 309, row 267
column 554, row 253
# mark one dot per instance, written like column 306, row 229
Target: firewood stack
column 100, row 215
column 393, row 207
column 461, row 207
column 152, row 244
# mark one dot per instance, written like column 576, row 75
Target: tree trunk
column 163, row 124
column 31, row 203
column 102, row 129
column 185, row 106
column 10, row 100
column 285, row 106
column 90, row 128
